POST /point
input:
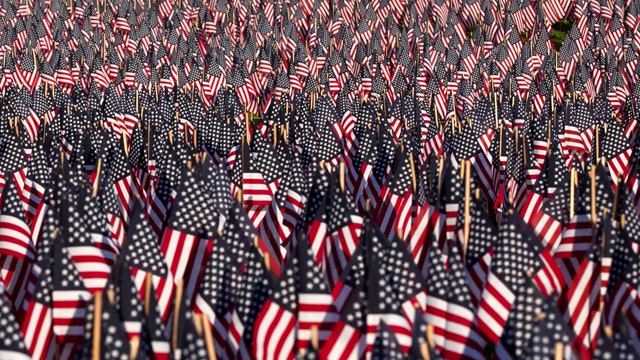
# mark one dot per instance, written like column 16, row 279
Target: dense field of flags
column 309, row 179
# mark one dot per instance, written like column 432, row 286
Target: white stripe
column 585, row 310
column 8, row 354
column 70, row 295
column 35, row 314
column 278, row 333
column 160, row 347
column 65, row 330
column 343, row 341
column 262, row 336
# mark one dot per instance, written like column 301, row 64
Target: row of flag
column 319, row 179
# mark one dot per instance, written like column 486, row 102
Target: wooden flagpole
column 467, row 206
column 572, row 190
column 147, row 293
column 592, row 175
column 559, row 351
column 97, row 325
column 176, row 312
column 208, row 337
column 97, row 184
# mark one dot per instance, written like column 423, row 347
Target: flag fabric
column 113, row 340
column 13, row 346
column 519, row 252
column 345, row 131
column 144, row 256
column 70, row 298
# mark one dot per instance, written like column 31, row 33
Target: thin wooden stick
column 111, row 296
column 314, row 337
column 198, row 323
column 134, row 346
column 440, row 168
column 342, row 177
column 559, row 351
column 97, row 184
column 594, row 213
column 97, row 325
column 208, row 338
column 430, row 333
column 176, row 312
column 597, row 143
column 147, row 293
column 424, row 351
column 467, row 206
column 125, row 145
column 572, row 190
column 414, row 183
column 267, row 262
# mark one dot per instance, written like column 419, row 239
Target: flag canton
column 557, row 206
column 404, row 275
column 127, row 301
column 386, row 345
column 437, row 281
column 517, row 251
column 615, row 142
column 548, row 330
column 354, row 274
column 265, row 159
column 43, row 289
column 367, row 147
column 581, row 116
column 76, row 229
column 114, row 343
column 238, row 234
column 402, row 180
column 618, row 346
column 217, row 184
column 310, row 279
column 353, row 313
column 253, row 291
column 65, row 274
column 119, row 166
column 458, row 288
column 216, row 287
column 452, row 187
column 11, row 203
column 340, row 209
column 39, row 170
column 381, row 297
column 192, row 211
column 12, row 158
column 482, row 233
column 522, row 319
column 465, row 144
column 141, row 247
column 49, row 228
column 12, row 341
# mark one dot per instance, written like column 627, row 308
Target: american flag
column 281, row 306
column 93, row 263
column 462, row 339
column 70, row 299
column 144, row 256
column 113, row 337
column 517, row 252
column 549, row 328
column 13, row 347
column 126, row 299
column 188, row 342
column 15, row 234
